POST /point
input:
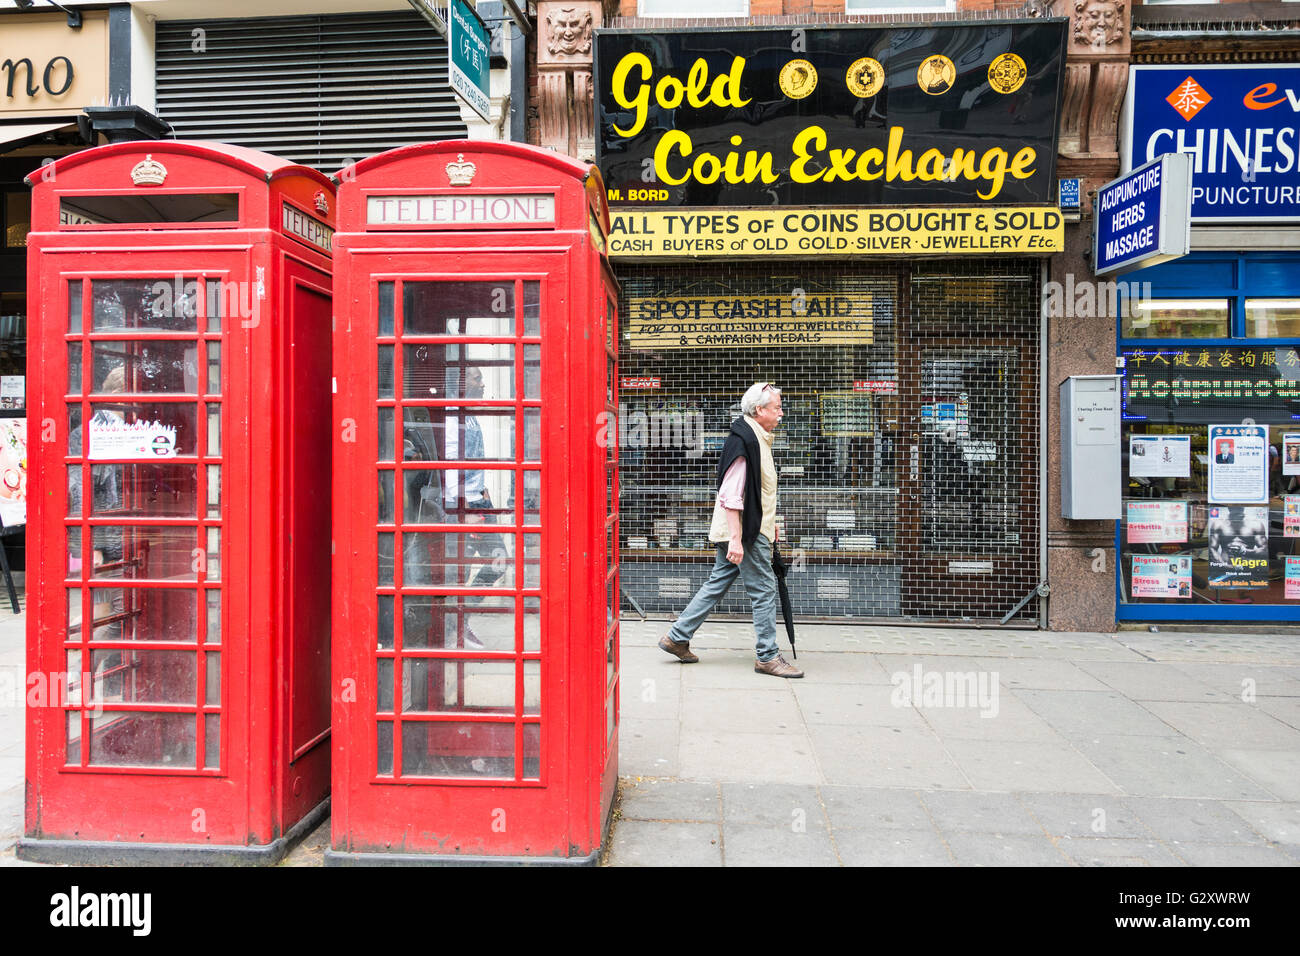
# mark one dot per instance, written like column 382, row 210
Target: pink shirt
column 732, row 493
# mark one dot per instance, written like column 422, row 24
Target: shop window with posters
column 1211, row 440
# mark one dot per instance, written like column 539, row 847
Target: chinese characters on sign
column 1212, row 384
column 467, row 44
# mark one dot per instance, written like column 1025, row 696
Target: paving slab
column 757, row 758
column 885, row 757
column 1076, row 713
column 667, row 799
column 840, row 667
column 868, row 808
column 772, row 805
column 1175, row 820
column 894, row 847
column 1028, row 766
column 1218, row 648
column 1285, row 709
column 1008, row 719
column 859, row 705
column 1049, row 674
column 1220, row 725
column 1086, row 816
column 1278, row 822
column 1152, row 680
column 1245, row 679
column 1102, row 851
column 1275, row 770
column 755, row 845
column 768, row 708
column 657, row 843
column 649, row 748
column 727, row 669
column 1169, row 767
column 984, row 849
column 645, row 695
column 978, row 812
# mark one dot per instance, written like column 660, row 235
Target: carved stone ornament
column 148, row 172
column 461, row 173
column 1099, row 24
column 568, row 31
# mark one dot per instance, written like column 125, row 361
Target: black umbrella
column 780, row 568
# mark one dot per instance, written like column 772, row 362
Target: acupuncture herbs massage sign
column 961, row 115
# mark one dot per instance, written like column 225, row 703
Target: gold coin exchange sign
column 890, row 231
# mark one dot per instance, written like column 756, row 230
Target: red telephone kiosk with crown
column 475, row 508
column 179, row 584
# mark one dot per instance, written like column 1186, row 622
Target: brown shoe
column 680, row 651
column 777, row 667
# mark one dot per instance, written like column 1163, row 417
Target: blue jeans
column 760, row 585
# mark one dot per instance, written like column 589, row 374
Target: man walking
column 744, row 527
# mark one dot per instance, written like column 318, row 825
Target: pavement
column 1128, row 749
column 927, row 746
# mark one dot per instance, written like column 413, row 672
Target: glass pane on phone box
column 438, row 371
column 458, row 308
column 146, row 367
column 458, row 434
column 145, row 614
column 462, row 560
column 145, row 490
column 452, row 622
column 136, row 738
column 156, row 305
column 458, row 749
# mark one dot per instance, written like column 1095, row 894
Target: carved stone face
column 1098, row 23
column 570, row 31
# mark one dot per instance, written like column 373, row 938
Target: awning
column 15, row 134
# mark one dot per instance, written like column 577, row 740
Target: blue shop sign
column 1239, row 124
column 1069, row 194
column 1141, row 219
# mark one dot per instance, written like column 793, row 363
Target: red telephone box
column 179, row 587
column 475, row 602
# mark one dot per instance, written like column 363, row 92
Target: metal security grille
column 318, row 90
column 909, row 453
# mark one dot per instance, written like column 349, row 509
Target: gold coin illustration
column 936, row 74
column 1007, row 73
column 865, row 77
column 798, row 78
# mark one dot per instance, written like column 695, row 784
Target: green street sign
column 467, row 40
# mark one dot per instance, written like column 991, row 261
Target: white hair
column 758, row 395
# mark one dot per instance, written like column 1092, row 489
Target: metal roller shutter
column 317, row 90
column 909, row 454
